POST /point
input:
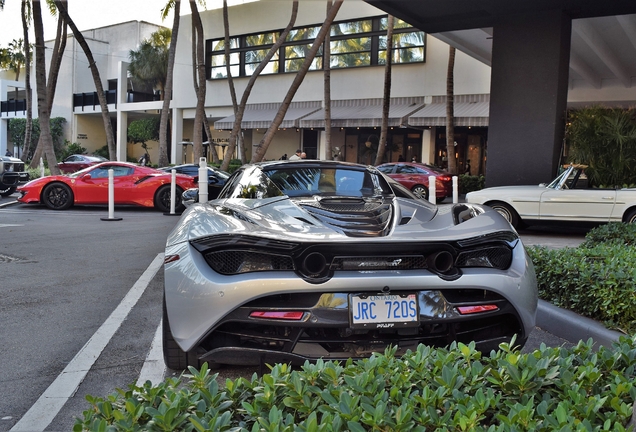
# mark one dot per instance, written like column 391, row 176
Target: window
column 354, row 43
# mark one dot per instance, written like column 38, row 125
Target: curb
column 573, row 327
column 7, row 204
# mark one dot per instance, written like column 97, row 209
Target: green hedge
column 468, row 183
column 597, row 279
column 455, row 389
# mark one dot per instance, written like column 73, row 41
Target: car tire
column 420, row 191
column 5, row 192
column 57, row 196
column 162, row 199
column 630, row 216
column 173, row 356
column 440, row 200
column 507, row 212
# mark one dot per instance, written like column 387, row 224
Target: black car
column 216, row 177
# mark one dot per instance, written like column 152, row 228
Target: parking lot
column 81, row 305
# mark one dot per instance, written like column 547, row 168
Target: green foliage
column 469, row 183
column 605, row 140
column 454, row 389
column 615, row 232
column 149, row 63
column 143, row 130
column 71, row 149
column 103, row 152
column 597, row 279
column 17, row 129
column 37, row 173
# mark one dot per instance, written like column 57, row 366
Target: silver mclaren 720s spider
column 301, row 260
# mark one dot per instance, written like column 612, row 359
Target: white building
column 418, row 87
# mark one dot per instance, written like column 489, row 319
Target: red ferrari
column 133, row 185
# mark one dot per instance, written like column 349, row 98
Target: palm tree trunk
column 386, row 103
column 228, row 69
column 110, row 138
column 56, row 63
column 40, row 78
column 26, row 147
column 326, row 64
column 167, row 97
column 238, row 118
column 200, row 82
column 450, row 114
column 263, row 145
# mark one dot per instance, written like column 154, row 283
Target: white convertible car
column 567, row 198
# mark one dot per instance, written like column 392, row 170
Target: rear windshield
column 298, row 182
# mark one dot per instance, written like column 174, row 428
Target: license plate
column 384, row 310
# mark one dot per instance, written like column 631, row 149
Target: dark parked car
column 415, row 177
column 216, row 177
column 78, row 162
column 301, row 260
column 12, row 174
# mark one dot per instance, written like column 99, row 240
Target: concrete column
column 528, row 97
column 176, row 153
column 122, row 135
column 428, row 146
column 4, row 137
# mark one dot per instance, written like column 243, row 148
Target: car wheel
column 5, row 192
column 440, row 200
column 57, row 196
column 420, row 191
column 173, row 355
column 507, row 212
column 630, row 216
column 162, row 199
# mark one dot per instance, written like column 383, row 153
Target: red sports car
column 78, row 162
column 415, row 177
column 133, row 185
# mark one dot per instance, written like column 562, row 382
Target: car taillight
column 466, row 310
column 293, row 316
column 444, row 178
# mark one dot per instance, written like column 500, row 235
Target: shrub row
column 468, row 183
column 596, row 280
column 455, row 389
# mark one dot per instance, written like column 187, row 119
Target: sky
column 88, row 14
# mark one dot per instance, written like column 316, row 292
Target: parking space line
column 154, row 367
column 42, row 413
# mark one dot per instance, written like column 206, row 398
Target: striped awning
column 260, row 116
column 469, row 110
column 363, row 113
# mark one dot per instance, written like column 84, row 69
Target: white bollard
column 111, row 197
column 41, row 167
column 173, row 192
column 431, row 190
column 455, row 189
column 203, row 180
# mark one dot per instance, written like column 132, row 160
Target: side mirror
column 86, row 176
column 190, row 197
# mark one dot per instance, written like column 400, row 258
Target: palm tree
column 149, row 63
column 327, row 74
column 450, row 113
column 261, row 149
column 110, row 138
column 238, row 118
column 44, row 114
column 386, row 103
column 26, row 18
column 175, row 5
column 228, row 68
column 198, row 65
column 51, row 84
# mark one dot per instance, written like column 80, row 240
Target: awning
column 469, row 110
column 363, row 113
column 260, row 116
